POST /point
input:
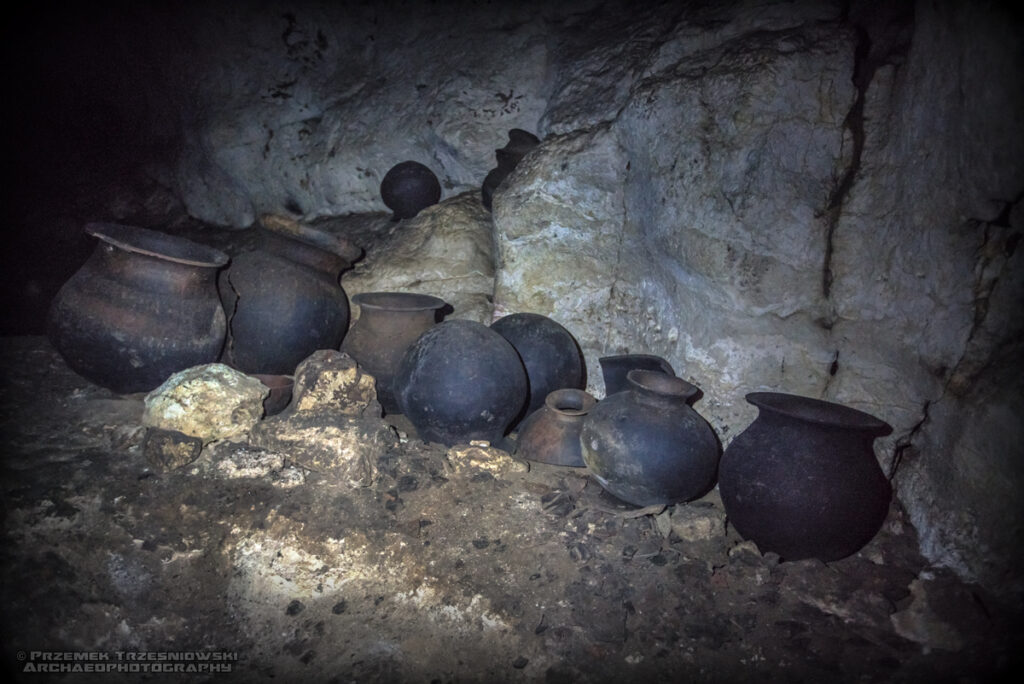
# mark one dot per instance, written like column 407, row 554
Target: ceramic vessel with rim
column 802, row 480
column 552, row 434
column 647, row 445
column 615, row 368
column 284, row 301
column 388, row 323
column 143, row 307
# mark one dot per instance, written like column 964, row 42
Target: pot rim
column 818, row 411
column 158, row 245
column 580, row 402
column 320, row 239
column 661, row 384
column 398, row 301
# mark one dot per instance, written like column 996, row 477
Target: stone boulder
column 445, row 251
column 211, row 402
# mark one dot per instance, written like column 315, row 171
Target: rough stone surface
column 432, row 575
column 330, row 381
column 445, row 251
column 169, row 449
column 210, row 402
column 471, row 458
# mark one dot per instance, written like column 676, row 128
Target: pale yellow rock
column 330, row 380
column 210, row 402
column 463, row 456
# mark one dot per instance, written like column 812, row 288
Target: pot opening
column 659, row 383
column 571, row 402
column 397, row 301
column 818, row 411
column 156, row 244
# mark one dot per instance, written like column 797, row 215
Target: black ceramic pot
column 615, row 368
column 142, row 307
column 408, row 188
column 388, row 323
column 519, row 143
column 284, row 300
column 550, row 353
column 552, row 434
column 460, row 381
column 802, row 480
column 647, row 445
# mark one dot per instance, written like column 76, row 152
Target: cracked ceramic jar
column 552, row 434
column 284, row 300
column 460, row 381
column 615, row 368
column 803, row 481
column 388, row 323
column 647, row 446
column 550, row 353
column 408, row 188
column 143, row 307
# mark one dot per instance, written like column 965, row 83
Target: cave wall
column 810, row 197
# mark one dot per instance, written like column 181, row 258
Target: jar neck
column 658, row 389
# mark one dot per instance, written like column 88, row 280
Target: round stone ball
column 409, row 187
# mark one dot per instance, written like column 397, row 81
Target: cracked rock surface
column 451, row 565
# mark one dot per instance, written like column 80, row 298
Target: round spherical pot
column 615, row 368
column 284, row 300
column 408, row 188
column 647, row 445
column 552, row 434
column 550, row 353
column 460, row 381
column 802, row 480
column 388, row 323
column 142, row 307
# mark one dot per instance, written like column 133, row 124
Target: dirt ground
column 435, row 573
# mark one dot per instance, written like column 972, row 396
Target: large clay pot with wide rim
column 460, row 381
column 388, row 323
column 802, row 480
column 647, row 446
column 284, row 300
column 143, row 307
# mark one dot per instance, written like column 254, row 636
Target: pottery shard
column 339, row 446
column 463, row 457
column 329, row 380
column 210, row 402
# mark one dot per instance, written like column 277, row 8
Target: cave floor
column 429, row 575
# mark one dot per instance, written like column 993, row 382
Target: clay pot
column 388, row 323
column 550, row 353
column 802, row 479
column 552, row 434
column 408, row 188
column 280, row 394
column 284, row 300
column 615, row 368
column 460, row 381
column 143, row 307
column 519, row 143
column 647, row 446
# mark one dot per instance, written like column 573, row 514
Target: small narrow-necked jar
column 552, row 433
column 647, row 446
